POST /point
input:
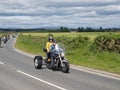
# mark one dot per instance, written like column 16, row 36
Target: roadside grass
column 30, row 44
column 81, row 56
column 102, row 61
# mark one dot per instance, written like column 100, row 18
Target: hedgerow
column 110, row 43
column 73, row 42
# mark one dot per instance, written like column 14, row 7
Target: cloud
column 81, row 3
column 109, row 10
column 71, row 13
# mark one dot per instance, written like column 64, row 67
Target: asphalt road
column 17, row 72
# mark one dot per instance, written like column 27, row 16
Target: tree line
column 64, row 29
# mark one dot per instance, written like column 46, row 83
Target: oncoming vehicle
column 60, row 62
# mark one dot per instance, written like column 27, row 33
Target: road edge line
column 96, row 73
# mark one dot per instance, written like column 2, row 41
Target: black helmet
column 54, row 41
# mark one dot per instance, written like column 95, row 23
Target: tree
column 80, row 29
column 61, row 28
column 64, row 29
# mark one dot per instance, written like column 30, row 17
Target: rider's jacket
column 52, row 48
column 48, row 44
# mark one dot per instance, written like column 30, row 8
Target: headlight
column 62, row 54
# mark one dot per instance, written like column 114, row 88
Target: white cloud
column 72, row 13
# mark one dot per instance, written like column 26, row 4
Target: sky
column 57, row 13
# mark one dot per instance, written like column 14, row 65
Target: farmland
column 91, row 35
column 80, row 55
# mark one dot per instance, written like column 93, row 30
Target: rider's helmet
column 54, row 41
column 50, row 38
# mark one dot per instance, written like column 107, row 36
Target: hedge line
column 73, row 43
column 109, row 43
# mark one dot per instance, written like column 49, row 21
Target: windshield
column 59, row 47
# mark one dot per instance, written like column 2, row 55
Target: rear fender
column 38, row 57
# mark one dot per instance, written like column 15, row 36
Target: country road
column 17, row 72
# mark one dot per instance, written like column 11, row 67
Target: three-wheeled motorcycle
column 60, row 62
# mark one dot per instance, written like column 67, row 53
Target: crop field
column 79, row 48
column 90, row 35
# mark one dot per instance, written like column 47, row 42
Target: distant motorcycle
column 5, row 39
column 60, row 62
column 0, row 41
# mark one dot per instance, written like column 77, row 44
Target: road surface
column 17, row 72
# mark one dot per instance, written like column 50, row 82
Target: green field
column 91, row 35
column 107, row 61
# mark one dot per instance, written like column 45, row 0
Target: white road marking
column 1, row 63
column 108, row 76
column 41, row 80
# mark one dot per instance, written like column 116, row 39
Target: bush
column 73, row 43
column 39, row 42
column 109, row 43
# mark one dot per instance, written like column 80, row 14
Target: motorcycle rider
column 52, row 50
column 5, row 38
column 48, row 44
column 0, row 40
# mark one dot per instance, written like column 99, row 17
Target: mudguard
column 38, row 57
